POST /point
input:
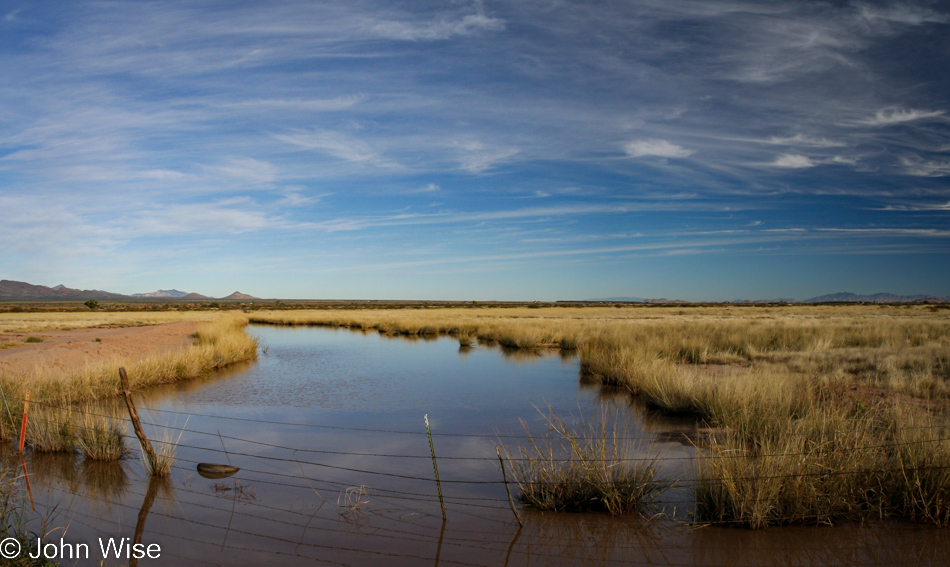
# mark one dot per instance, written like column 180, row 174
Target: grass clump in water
column 100, row 438
column 165, row 445
column 583, row 468
column 50, row 430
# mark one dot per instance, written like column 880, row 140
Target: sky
column 706, row 150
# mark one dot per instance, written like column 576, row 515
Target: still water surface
column 327, row 427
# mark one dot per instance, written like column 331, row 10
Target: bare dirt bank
column 77, row 347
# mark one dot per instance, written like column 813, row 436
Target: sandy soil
column 80, row 346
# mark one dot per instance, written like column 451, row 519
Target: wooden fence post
column 435, row 467
column 136, row 424
column 508, row 490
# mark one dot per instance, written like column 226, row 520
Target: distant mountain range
column 876, row 298
column 842, row 297
column 12, row 290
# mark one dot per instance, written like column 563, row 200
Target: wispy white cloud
column 443, row 29
column 926, row 168
column 913, row 232
column 46, row 227
column 652, row 246
column 163, row 174
column 657, row 148
column 336, row 144
column 520, row 256
column 231, row 216
column 249, row 170
column 901, row 13
column 793, row 161
column 476, row 157
column 844, row 160
column 806, row 141
column 321, row 105
column 918, row 207
column 891, row 116
column 553, row 211
column 294, row 199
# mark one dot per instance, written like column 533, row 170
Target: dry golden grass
column 165, row 445
column 216, row 345
column 54, row 427
column 50, row 429
column 833, row 464
column 585, row 466
column 50, row 321
column 100, row 438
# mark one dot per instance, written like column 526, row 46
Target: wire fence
column 700, row 456
column 491, row 543
column 416, row 501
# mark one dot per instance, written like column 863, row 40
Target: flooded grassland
column 821, row 428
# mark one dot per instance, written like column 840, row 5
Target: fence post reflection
column 153, row 485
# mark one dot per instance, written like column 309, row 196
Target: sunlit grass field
column 66, row 320
column 216, row 344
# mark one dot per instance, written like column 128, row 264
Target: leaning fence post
column 26, row 410
column 508, row 490
column 136, row 424
column 435, row 467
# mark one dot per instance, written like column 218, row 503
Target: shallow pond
column 327, row 428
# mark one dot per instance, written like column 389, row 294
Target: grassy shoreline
column 216, row 344
column 826, row 413
column 55, row 390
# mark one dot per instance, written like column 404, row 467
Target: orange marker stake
column 26, row 410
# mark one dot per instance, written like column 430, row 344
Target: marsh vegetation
column 581, row 465
column 62, row 420
column 820, row 413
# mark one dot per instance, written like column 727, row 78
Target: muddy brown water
column 327, row 428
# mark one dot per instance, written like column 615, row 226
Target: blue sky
column 696, row 149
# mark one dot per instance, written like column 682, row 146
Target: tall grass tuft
column 583, row 468
column 165, row 444
column 100, row 438
column 50, row 429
